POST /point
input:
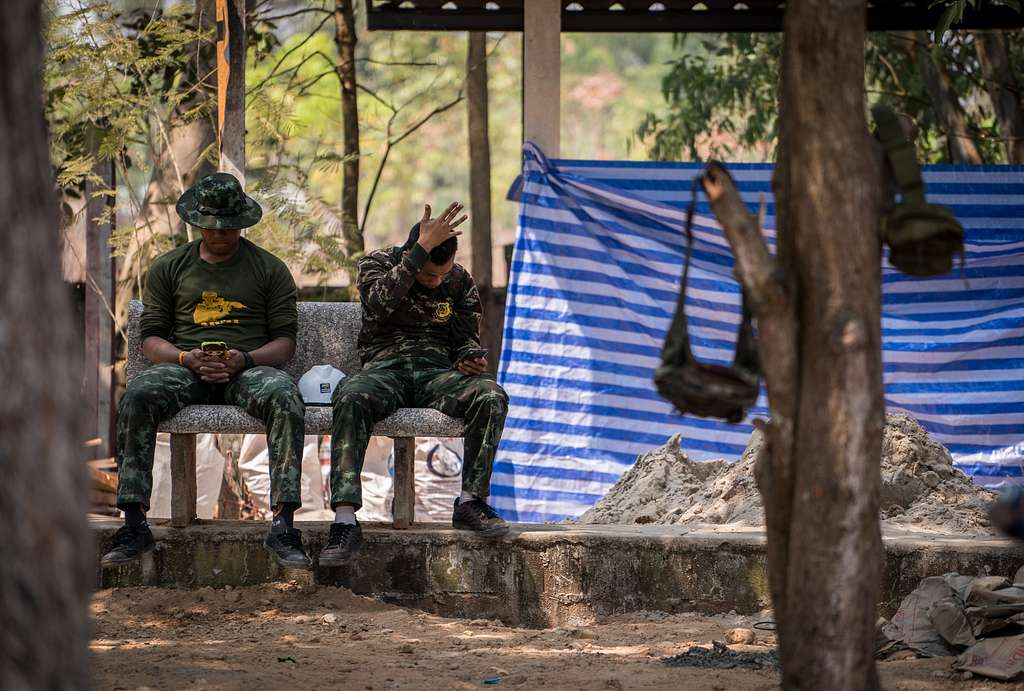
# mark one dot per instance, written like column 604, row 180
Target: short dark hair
column 440, row 254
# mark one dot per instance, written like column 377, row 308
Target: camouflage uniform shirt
column 403, row 319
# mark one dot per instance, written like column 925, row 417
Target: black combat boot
column 343, row 542
column 286, row 545
column 130, row 542
column 477, row 516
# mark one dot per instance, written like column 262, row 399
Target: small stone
column 314, row 639
column 232, row 596
column 179, row 615
column 228, row 587
column 329, row 618
column 940, row 675
column 967, row 675
column 741, row 637
column 407, row 649
column 265, row 602
column 931, row 478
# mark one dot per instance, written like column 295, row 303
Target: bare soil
column 287, row 636
column 921, row 489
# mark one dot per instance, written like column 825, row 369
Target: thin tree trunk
column 179, row 163
column 818, row 308
column 945, row 100
column 45, row 575
column 1004, row 89
column 345, row 38
column 480, row 190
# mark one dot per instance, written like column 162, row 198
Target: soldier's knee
column 493, row 396
column 287, row 399
column 137, row 400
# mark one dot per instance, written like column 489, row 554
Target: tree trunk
column 45, row 575
column 345, row 38
column 175, row 168
column 1004, row 89
column 945, row 100
column 480, row 190
column 818, row 308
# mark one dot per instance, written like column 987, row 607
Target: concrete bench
column 327, row 336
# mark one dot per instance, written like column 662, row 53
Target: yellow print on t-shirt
column 212, row 309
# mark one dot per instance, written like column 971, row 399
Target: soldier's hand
column 194, row 360
column 434, row 231
column 474, row 367
column 218, row 371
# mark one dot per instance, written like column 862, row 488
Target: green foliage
column 720, row 95
column 107, row 76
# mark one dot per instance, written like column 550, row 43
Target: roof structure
column 666, row 16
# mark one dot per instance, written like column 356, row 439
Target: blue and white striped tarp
column 594, row 281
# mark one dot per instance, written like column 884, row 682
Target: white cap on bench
column 318, row 384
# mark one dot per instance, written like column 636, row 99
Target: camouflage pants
column 369, row 396
column 160, row 391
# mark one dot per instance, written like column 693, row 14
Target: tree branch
column 288, row 53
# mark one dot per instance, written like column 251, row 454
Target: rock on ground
column 920, row 487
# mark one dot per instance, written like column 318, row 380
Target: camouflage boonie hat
column 217, row 202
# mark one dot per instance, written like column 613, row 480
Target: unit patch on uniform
column 443, row 312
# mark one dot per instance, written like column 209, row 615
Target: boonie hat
column 217, row 202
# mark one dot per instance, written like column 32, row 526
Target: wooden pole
column 542, row 34
column 231, row 86
column 480, row 191
column 98, row 380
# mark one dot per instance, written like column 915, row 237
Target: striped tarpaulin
column 595, row 275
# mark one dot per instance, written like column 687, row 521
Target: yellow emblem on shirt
column 443, row 312
column 212, row 310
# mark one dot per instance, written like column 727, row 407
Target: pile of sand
column 920, row 487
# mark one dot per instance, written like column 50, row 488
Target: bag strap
column 677, row 348
column 901, row 154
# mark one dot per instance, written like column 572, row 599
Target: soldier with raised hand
column 239, row 299
column 420, row 347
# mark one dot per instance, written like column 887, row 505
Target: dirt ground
column 291, row 637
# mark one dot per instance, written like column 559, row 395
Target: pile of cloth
column 978, row 619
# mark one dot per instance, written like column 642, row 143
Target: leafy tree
column 720, row 95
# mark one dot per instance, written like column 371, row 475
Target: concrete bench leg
column 403, row 509
column 183, row 479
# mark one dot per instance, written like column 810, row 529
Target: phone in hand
column 217, row 349
column 473, row 355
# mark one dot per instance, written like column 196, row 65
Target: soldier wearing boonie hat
column 219, row 288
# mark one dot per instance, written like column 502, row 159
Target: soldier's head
column 441, row 262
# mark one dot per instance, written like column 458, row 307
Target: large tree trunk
column 345, row 38
column 1004, row 89
column 818, row 308
column 180, row 161
column 480, row 190
column 945, row 100
column 45, row 574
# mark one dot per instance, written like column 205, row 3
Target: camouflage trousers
column 369, row 396
column 160, row 391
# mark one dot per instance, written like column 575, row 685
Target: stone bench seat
column 327, row 336
column 229, row 419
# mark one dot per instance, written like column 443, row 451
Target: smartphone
column 217, row 349
column 474, row 354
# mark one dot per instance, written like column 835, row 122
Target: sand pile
column 920, row 487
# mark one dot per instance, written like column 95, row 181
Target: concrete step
column 539, row 575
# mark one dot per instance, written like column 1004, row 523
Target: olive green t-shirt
column 245, row 301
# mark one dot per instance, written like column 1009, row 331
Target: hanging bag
column 922, row 237
column 696, row 388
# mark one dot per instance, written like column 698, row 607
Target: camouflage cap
column 217, row 202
